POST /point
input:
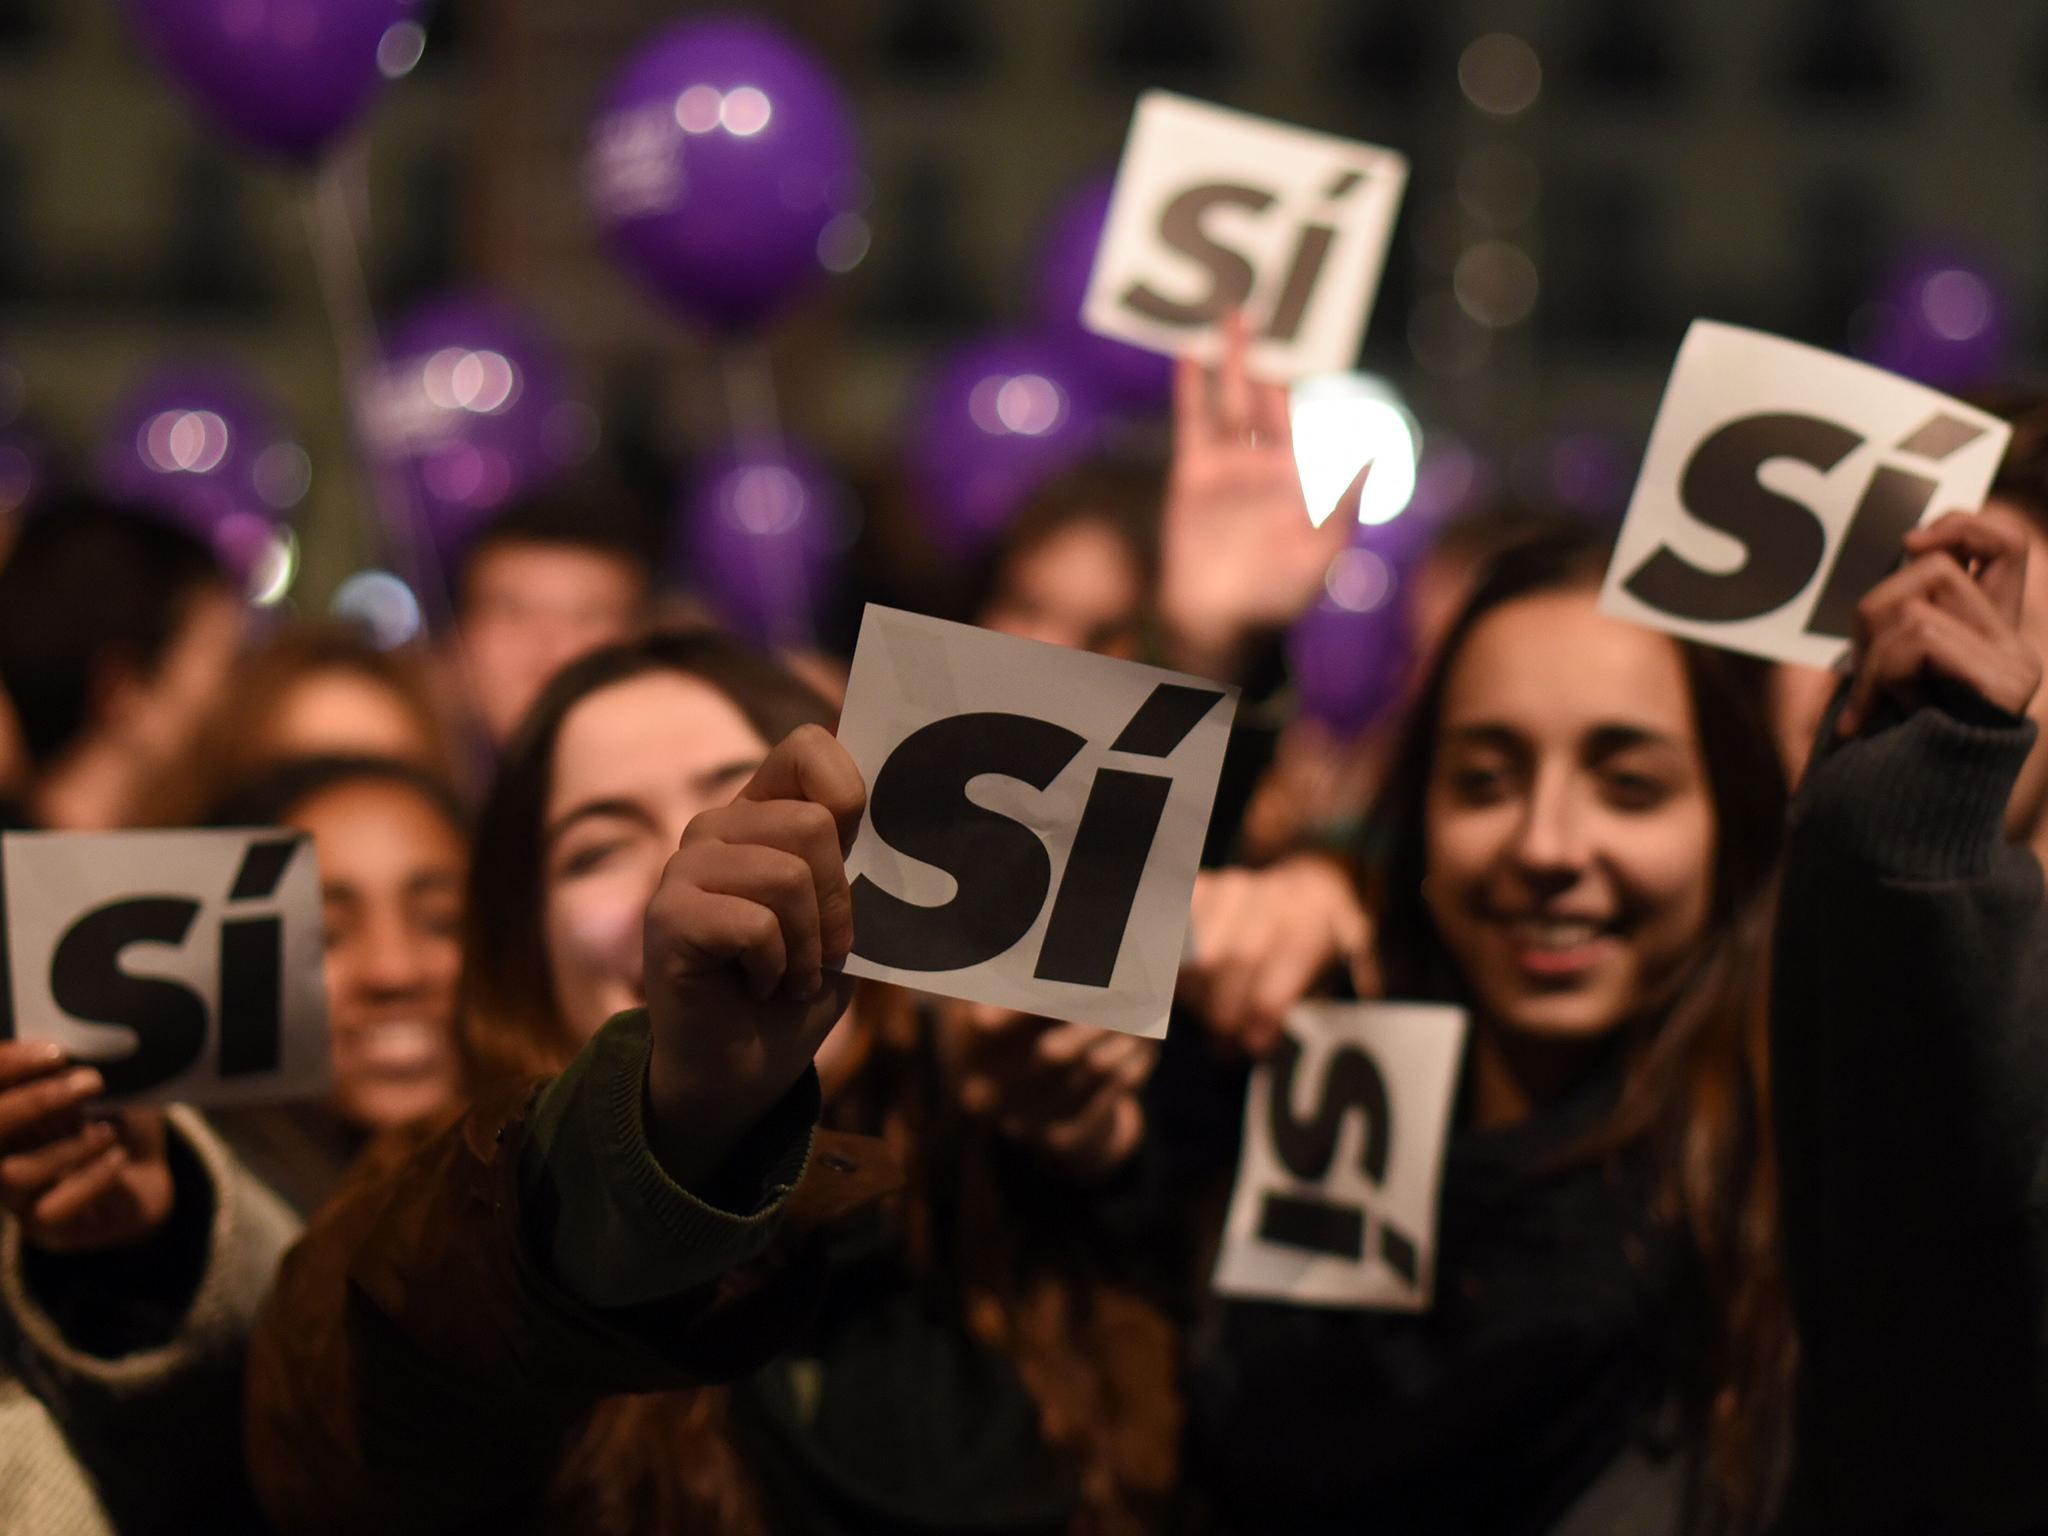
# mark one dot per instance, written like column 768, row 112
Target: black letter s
column 919, row 806
column 167, row 1018
column 1785, row 541
column 1230, row 275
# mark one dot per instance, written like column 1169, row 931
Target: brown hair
column 510, row 1024
column 1695, row 1087
column 235, row 748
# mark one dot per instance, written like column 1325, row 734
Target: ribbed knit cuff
column 613, row 1227
column 1920, row 800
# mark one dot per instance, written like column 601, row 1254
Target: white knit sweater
column 94, row 1447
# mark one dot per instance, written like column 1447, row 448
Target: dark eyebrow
column 1607, row 741
column 590, row 810
column 1485, row 733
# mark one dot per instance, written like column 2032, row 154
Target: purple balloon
column 1349, row 654
column 1132, row 377
column 760, row 532
column 1943, row 317
column 284, row 76
column 720, row 158
column 203, row 444
column 991, row 424
column 472, row 401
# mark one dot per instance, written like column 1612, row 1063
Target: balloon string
column 756, row 424
column 750, row 405
column 337, row 256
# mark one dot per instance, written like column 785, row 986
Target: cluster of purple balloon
column 472, row 404
column 204, row 444
column 998, row 417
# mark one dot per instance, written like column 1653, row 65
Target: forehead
column 645, row 735
column 1553, row 664
column 550, row 568
column 375, row 822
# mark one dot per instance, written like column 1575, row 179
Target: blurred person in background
column 1078, row 565
column 552, row 578
column 393, row 857
column 308, row 691
column 117, row 635
column 974, row 1359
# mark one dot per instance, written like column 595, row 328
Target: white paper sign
column 1035, row 816
column 1215, row 210
column 1344, row 1131
column 1778, row 483
column 185, row 966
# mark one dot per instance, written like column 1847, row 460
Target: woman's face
column 1570, row 831
column 1078, row 587
column 633, row 763
column 391, row 878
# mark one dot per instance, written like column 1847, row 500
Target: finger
column 1270, row 418
column 22, row 1061
column 1233, row 381
column 717, row 930
column 810, row 764
column 74, row 1196
column 1284, row 981
column 24, row 1110
column 779, row 881
column 1921, row 640
column 26, row 1176
column 805, row 830
column 1935, row 577
column 1998, row 554
column 1190, row 401
column 1089, row 1125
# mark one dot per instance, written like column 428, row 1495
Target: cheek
column 1462, row 848
column 593, row 932
column 1664, row 869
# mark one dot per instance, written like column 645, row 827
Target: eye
column 1629, row 791
column 587, row 857
column 1478, row 783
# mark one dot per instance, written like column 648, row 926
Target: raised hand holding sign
column 1216, row 210
column 1344, row 1131
column 1778, row 484
column 1034, row 822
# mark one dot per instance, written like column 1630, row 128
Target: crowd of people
column 628, row 1212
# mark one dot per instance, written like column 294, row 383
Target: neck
column 1514, row 1074
column 91, row 789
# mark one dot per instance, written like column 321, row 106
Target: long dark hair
column 510, row 1024
column 1695, row 1089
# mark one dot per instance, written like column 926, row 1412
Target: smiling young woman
column 1576, row 843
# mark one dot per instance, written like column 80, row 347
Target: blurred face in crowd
column 1570, row 830
column 634, row 763
column 531, row 608
column 339, row 712
column 2026, row 814
column 391, row 873
column 1078, row 586
column 157, row 717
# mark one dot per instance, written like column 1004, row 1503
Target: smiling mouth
column 1556, row 935
column 398, row 1047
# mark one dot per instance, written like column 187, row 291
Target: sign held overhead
column 1216, row 210
column 1777, row 486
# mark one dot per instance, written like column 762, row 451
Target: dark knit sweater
column 1910, row 1057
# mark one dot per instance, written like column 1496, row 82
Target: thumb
column 1343, row 517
